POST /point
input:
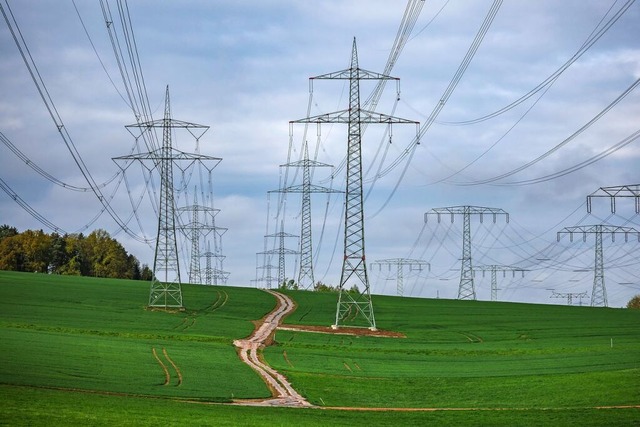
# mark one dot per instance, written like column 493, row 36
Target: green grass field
column 94, row 334
column 81, row 351
column 466, row 354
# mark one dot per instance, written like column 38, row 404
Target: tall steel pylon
column 400, row 263
column 166, row 288
column 354, row 270
column 306, row 278
column 467, row 289
column 494, row 277
column 266, row 277
column 195, row 230
column 281, row 251
column 599, row 291
column 214, row 274
column 569, row 296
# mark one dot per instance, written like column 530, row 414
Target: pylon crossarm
column 366, row 117
column 624, row 191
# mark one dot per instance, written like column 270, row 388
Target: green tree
column 36, row 246
column 146, row 273
column 288, row 284
column 107, row 257
column 321, row 287
column 7, row 231
column 58, row 252
column 11, row 253
column 634, row 302
column 133, row 271
column 77, row 260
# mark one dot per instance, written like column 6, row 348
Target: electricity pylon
column 354, row 270
column 599, row 292
column 494, row 277
column 166, row 288
column 267, row 268
column 214, row 275
column 626, row 191
column 569, row 296
column 195, row 230
column 281, row 251
column 400, row 263
column 466, row 290
column 306, row 279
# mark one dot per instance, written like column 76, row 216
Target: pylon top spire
column 354, row 55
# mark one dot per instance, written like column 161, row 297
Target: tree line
column 97, row 254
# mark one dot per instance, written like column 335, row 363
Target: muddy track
column 249, row 351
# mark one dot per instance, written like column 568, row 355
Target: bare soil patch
column 342, row 330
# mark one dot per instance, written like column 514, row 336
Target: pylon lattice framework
column 354, row 270
column 494, row 276
column 466, row 290
column 166, row 288
column 599, row 291
column 400, row 264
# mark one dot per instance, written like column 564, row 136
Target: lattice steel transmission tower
column 267, row 276
column 400, row 263
column 494, row 277
column 569, row 296
column 281, row 251
column 195, row 230
column 466, row 290
column 599, row 292
column 354, row 270
column 214, row 275
column 166, row 288
column 619, row 191
column 306, row 278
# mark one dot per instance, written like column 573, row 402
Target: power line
column 5, row 187
column 55, row 116
column 591, row 40
column 567, row 140
column 410, row 150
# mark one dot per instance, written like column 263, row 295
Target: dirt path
column 283, row 392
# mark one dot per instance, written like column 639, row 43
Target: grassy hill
column 82, row 350
column 95, row 334
column 465, row 354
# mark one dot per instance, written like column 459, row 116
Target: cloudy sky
column 243, row 69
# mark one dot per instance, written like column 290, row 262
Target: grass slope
column 94, row 334
column 465, row 354
column 77, row 351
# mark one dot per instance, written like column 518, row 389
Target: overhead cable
column 411, row 148
column 55, row 116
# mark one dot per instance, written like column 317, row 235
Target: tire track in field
column 190, row 319
column 220, row 302
column 165, row 369
column 167, row 375
column 175, row 367
column 249, row 352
